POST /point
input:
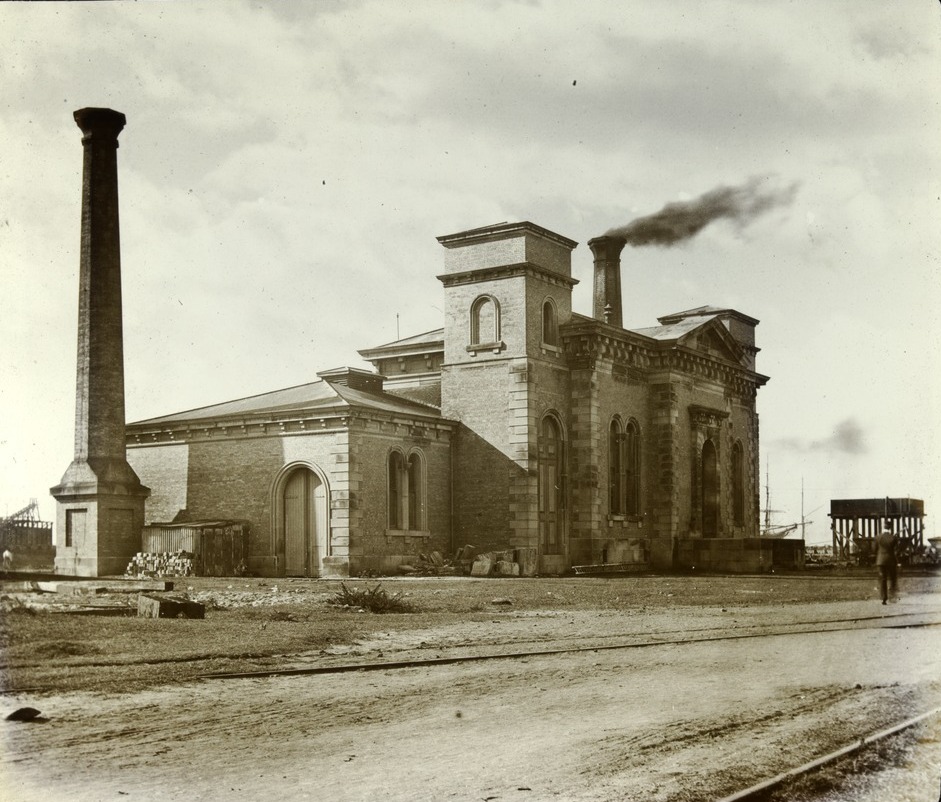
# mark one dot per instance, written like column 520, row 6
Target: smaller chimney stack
column 607, row 286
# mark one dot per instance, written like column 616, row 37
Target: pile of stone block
column 513, row 562
column 177, row 563
column 432, row 564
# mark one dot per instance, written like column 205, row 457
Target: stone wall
column 741, row 555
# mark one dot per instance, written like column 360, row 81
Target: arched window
column 406, row 491
column 485, row 321
column 552, row 479
column 632, row 468
column 738, row 484
column 397, row 486
column 624, row 468
column 710, row 490
column 415, row 505
column 550, row 323
column 615, row 468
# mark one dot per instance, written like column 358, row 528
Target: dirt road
column 677, row 721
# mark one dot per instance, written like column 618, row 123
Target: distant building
column 855, row 523
column 519, row 425
column 27, row 540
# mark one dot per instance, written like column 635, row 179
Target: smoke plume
column 680, row 221
column 848, row 437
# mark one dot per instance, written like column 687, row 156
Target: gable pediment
column 714, row 340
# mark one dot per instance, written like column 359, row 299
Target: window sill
column 633, row 519
column 407, row 533
column 496, row 347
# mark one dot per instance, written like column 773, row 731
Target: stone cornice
column 506, row 271
column 502, row 231
column 241, row 428
column 586, row 341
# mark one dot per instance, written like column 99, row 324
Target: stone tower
column 508, row 288
column 100, row 500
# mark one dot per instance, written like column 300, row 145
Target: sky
column 286, row 167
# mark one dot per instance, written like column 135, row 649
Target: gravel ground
column 694, row 714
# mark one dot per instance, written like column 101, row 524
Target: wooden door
column 304, row 519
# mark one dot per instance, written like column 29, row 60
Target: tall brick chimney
column 607, row 286
column 100, row 500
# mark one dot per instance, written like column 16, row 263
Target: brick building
column 518, row 425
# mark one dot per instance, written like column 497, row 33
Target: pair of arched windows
column 406, row 491
column 485, row 322
column 624, row 468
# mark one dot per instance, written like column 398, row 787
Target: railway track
column 761, row 790
column 757, row 792
column 667, row 638
column 605, row 719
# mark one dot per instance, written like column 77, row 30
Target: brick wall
column 373, row 546
column 167, row 470
column 231, row 478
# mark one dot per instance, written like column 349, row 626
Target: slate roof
column 304, row 398
column 674, row 331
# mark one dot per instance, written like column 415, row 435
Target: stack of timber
column 217, row 548
column 150, row 564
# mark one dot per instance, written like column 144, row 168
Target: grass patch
column 65, row 648
column 374, row 600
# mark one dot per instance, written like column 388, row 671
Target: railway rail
column 760, row 790
column 797, row 628
column 754, row 793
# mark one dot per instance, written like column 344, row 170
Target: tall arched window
column 551, row 486
column 397, row 485
column 632, row 468
column 738, row 484
column 615, row 468
column 485, row 321
column 710, row 490
column 550, row 323
column 406, row 491
column 624, row 468
column 415, row 500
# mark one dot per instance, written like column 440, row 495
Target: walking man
column 887, row 561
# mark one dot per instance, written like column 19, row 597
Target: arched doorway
column 303, row 522
column 551, row 487
column 710, row 490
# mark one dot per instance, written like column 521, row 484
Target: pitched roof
column 304, row 398
column 418, row 343
column 707, row 311
column 673, row 331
